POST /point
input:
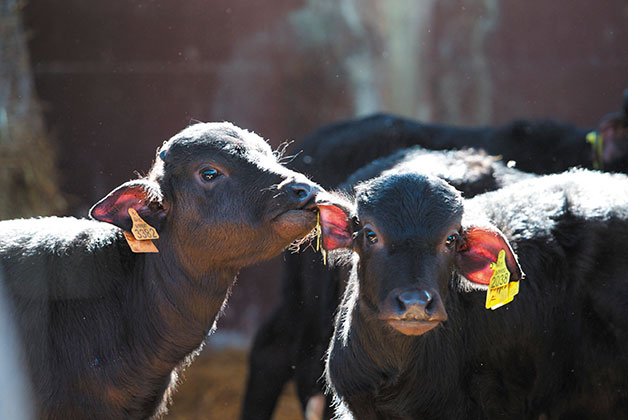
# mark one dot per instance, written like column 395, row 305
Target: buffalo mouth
column 304, row 214
column 310, row 207
column 295, row 223
column 307, row 213
column 410, row 326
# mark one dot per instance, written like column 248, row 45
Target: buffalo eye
column 371, row 237
column 452, row 240
column 209, row 174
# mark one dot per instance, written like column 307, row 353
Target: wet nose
column 414, row 298
column 300, row 192
column 420, row 304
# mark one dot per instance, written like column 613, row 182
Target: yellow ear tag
column 597, row 143
column 140, row 240
column 500, row 290
column 141, row 230
column 319, row 233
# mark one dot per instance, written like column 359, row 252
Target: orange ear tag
column 140, row 240
column 141, row 230
column 140, row 247
column 500, row 290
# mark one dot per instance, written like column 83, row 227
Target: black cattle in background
column 333, row 152
column 291, row 343
column 105, row 329
column 414, row 341
column 471, row 172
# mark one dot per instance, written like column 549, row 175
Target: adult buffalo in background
column 105, row 329
column 333, row 152
column 413, row 335
column 291, row 343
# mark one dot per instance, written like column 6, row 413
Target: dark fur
column 333, row 152
column 291, row 343
column 556, row 352
column 469, row 171
column 105, row 331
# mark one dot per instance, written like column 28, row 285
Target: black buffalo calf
column 414, row 338
column 292, row 343
column 105, row 329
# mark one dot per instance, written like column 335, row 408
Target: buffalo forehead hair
column 409, row 204
column 211, row 139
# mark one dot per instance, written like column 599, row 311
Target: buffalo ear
column 335, row 227
column 613, row 132
column 480, row 248
column 141, row 195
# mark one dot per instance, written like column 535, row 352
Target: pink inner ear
column 482, row 245
column 334, row 227
column 139, row 195
column 117, row 204
column 613, row 134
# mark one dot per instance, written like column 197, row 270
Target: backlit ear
column 141, row 195
column 480, row 247
column 614, row 133
column 335, row 227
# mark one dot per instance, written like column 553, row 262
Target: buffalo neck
column 186, row 304
column 171, row 312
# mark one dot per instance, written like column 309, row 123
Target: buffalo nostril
column 430, row 306
column 300, row 191
column 417, row 299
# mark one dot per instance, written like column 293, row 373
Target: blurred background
column 89, row 89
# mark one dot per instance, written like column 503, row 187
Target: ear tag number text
column 141, row 230
column 500, row 290
column 140, row 238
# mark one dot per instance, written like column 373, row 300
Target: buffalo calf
column 413, row 335
column 292, row 342
column 105, row 329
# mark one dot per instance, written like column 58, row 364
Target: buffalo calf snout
column 420, row 304
column 415, row 300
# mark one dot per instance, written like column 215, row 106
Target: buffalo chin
column 412, row 326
